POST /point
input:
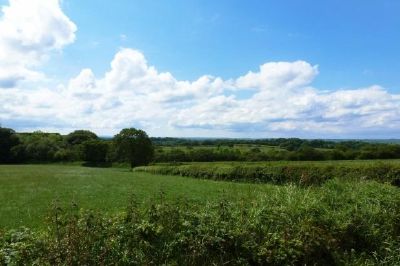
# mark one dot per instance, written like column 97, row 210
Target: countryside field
column 29, row 190
column 352, row 222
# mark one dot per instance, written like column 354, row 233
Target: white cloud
column 29, row 31
column 133, row 93
column 282, row 100
column 279, row 76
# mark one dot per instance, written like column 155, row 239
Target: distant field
column 27, row 191
column 241, row 147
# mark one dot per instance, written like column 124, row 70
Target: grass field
column 193, row 221
column 27, row 191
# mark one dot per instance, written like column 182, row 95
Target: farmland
column 29, row 190
column 350, row 221
column 78, row 199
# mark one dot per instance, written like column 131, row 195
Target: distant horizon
column 226, row 138
column 226, row 69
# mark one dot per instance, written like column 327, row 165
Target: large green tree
column 80, row 136
column 95, row 151
column 8, row 140
column 134, row 146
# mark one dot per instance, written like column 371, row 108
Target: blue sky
column 349, row 50
column 355, row 43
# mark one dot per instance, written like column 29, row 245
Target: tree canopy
column 80, row 136
column 134, row 146
column 8, row 140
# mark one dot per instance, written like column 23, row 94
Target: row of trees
column 130, row 145
column 304, row 153
column 134, row 146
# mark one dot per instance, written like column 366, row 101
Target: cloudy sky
column 311, row 69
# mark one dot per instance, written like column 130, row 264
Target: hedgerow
column 302, row 174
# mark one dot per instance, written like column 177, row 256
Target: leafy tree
column 75, row 141
column 80, row 136
column 134, row 146
column 95, row 151
column 8, row 140
column 42, row 147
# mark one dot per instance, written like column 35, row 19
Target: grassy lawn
column 27, row 191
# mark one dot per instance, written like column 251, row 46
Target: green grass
column 27, row 191
column 340, row 222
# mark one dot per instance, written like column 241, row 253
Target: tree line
column 131, row 145
column 135, row 147
column 341, row 151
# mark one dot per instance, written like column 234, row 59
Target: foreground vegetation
column 337, row 223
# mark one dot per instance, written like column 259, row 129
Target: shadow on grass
column 97, row 164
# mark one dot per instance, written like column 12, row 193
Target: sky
column 185, row 68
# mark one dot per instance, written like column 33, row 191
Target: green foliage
column 50, row 147
column 280, row 173
column 95, row 151
column 41, row 147
column 8, row 141
column 134, row 146
column 339, row 224
column 80, row 136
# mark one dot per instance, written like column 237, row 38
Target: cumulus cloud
column 134, row 93
column 279, row 75
column 29, row 31
column 282, row 102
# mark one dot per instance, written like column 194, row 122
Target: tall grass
column 335, row 224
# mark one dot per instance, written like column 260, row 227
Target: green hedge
column 337, row 224
column 303, row 174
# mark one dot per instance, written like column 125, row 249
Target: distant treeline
column 292, row 149
column 289, row 143
column 83, row 145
